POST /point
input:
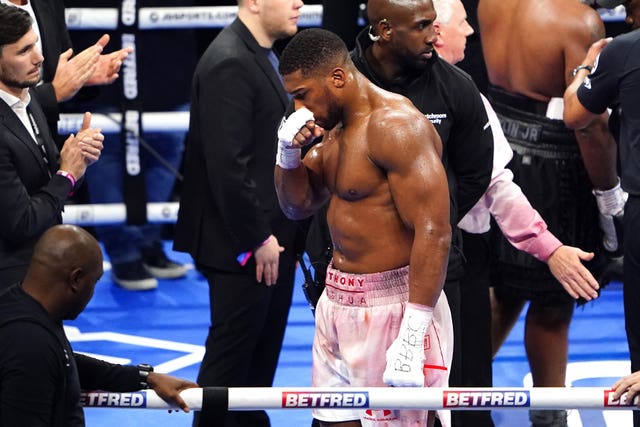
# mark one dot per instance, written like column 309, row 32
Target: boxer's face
column 452, row 37
column 317, row 93
column 20, row 64
column 279, row 18
column 411, row 34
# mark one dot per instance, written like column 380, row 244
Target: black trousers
column 631, row 285
column 474, row 345
column 248, row 321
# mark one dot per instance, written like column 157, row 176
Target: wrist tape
column 288, row 157
column 611, row 201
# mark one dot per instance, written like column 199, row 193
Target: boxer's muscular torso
column 367, row 229
column 531, row 46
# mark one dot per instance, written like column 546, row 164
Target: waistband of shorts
column 517, row 100
column 528, row 129
column 367, row 290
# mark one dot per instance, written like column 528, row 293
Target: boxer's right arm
column 294, row 132
column 299, row 183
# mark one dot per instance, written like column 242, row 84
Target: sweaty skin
column 546, row 40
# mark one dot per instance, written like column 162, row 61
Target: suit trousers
column 248, row 321
column 631, row 284
column 475, row 326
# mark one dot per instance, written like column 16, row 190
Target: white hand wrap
column 288, row 157
column 405, row 356
column 610, row 204
column 612, row 201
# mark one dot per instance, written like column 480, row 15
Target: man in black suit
column 35, row 179
column 229, row 218
column 63, row 75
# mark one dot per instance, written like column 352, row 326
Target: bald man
column 64, row 269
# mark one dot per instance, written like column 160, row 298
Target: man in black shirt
column 40, row 376
column 608, row 77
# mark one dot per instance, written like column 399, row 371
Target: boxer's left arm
column 419, row 189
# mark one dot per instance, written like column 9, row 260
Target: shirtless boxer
column 379, row 167
column 530, row 48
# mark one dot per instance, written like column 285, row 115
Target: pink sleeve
column 520, row 223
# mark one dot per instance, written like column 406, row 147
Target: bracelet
column 71, row 179
column 581, row 67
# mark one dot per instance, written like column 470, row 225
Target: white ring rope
column 169, row 121
column 153, row 18
column 116, row 213
column 244, row 399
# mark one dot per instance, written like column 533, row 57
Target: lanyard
column 39, row 141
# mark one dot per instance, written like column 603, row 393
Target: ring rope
column 153, row 18
column 116, row 213
column 168, row 121
column 255, row 398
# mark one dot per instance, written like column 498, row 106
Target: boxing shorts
column 358, row 316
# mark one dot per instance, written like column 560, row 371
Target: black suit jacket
column 55, row 40
column 32, row 196
column 228, row 203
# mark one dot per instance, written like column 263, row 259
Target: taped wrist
column 414, row 324
column 611, row 202
column 288, row 157
column 405, row 356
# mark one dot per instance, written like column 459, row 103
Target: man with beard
column 379, row 168
column 35, row 178
column 396, row 52
column 63, row 75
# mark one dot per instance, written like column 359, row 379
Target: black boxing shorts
column 547, row 165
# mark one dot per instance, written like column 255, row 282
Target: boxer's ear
column 338, row 77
